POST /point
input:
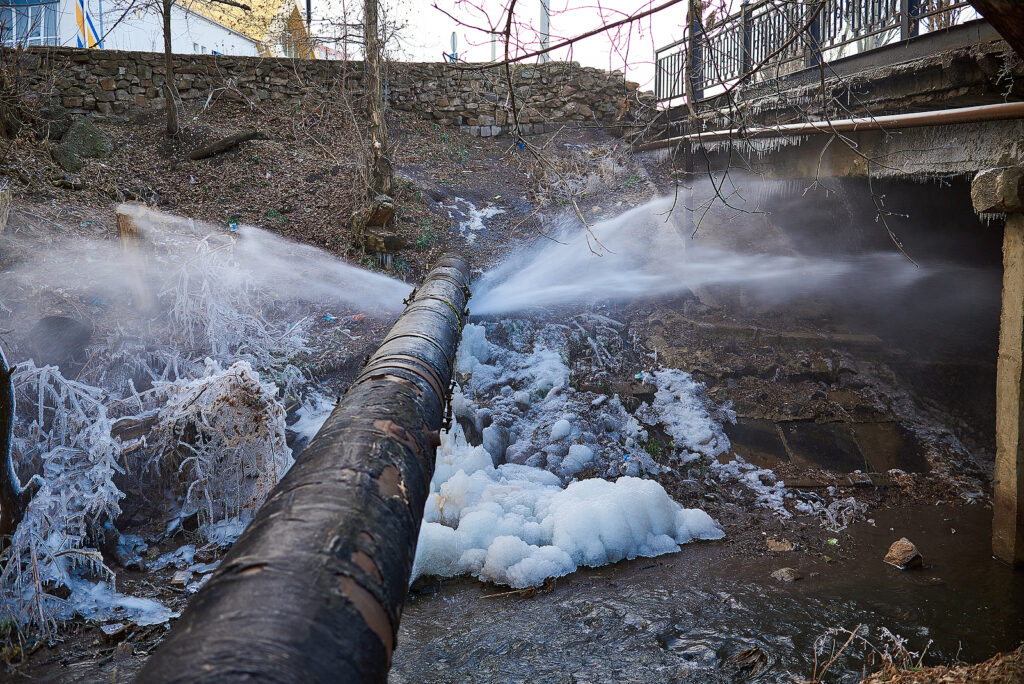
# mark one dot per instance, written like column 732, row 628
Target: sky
column 427, row 30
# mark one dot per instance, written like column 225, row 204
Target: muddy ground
column 834, row 409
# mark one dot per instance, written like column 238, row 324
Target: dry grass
column 1002, row 668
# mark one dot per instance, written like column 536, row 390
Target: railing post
column 908, row 18
column 745, row 57
column 657, row 76
column 695, row 56
column 812, row 55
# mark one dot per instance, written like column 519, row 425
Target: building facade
column 270, row 28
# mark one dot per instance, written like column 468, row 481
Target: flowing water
column 709, row 614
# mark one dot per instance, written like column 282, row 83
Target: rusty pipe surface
column 313, row 589
column 941, row 117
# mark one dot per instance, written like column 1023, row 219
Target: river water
column 683, row 617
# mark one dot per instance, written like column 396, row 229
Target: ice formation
column 680, row 403
column 509, row 510
column 517, row 525
column 209, row 423
column 223, row 435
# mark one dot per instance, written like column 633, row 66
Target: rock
column 367, row 227
column 124, row 650
column 903, row 554
column 87, row 141
column 66, row 159
column 787, row 575
column 780, row 545
column 378, row 240
column 53, row 122
column 82, row 140
column 381, row 212
column 181, row 578
column 114, row 629
column 59, row 341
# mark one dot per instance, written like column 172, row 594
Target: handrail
column 803, row 33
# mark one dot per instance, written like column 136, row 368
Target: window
column 24, row 23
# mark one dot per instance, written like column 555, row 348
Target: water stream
column 709, row 614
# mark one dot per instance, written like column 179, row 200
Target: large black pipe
column 313, row 590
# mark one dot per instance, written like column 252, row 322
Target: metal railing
column 770, row 38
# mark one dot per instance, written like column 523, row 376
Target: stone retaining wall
column 110, row 83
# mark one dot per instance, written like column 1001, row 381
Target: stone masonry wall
column 110, row 83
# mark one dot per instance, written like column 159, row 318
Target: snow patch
column 471, row 220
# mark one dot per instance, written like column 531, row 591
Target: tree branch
column 14, row 499
column 565, row 43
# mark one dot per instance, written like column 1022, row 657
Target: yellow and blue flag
column 87, row 34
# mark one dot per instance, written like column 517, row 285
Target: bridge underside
column 915, row 153
column 985, row 74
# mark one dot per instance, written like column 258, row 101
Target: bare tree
column 380, row 171
column 170, row 91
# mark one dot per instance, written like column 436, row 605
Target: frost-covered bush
column 221, row 440
column 216, row 309
column 67, row 441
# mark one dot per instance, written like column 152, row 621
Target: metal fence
column 766, row 39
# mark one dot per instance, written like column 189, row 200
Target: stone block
column 998, row 190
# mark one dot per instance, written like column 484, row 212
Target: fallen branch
column 228, row 143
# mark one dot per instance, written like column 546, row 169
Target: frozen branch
column 14, row 498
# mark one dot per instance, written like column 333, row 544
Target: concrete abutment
column 1002, row 190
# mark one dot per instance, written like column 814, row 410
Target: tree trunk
column 14, row 499
column 313, row 590
column 1007, row 17
column 380, row 166
column 170, row 91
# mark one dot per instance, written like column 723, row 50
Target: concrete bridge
column 890, row 89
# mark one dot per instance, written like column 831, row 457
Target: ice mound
column 517, row 525
column 519, row 404
column 680, row 404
